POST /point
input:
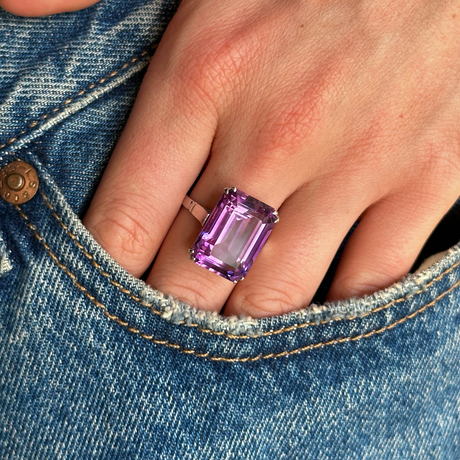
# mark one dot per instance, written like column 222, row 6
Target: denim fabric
column 95, row 364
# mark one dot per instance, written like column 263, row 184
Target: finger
column 44, row 7
column 287, row 273
column 157, row 159
column 173, row 272
column 386, row 243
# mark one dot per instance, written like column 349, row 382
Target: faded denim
column 95, row 364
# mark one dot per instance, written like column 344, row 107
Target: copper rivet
column 18, row 182
column 15, row 181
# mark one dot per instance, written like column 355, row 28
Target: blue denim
column 95, row 364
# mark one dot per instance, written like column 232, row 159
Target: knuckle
column 372, row 143
column 120, row 231
column 265, row 301
column 288, row 126
column 439, row 158
column 358, row 284
column 353, row 286
column 210, row 70
column 191, row 290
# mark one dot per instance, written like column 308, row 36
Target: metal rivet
column 18, row 182
column 15, row 181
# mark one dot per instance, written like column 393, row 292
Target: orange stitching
column 232, row 336
column 80, row 93
column 284, row 329
column 222, row 358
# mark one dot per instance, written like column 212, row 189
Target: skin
column 328, row 110
column 44, row 7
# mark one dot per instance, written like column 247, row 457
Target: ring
column 233, row 233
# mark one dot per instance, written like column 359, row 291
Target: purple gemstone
column 233, row 234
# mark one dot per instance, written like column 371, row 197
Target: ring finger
column 173, row 272
column 291, row 264
column 313, row 223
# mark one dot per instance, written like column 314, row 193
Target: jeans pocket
column 100, row 365
column 94, row 363
column 131, row 304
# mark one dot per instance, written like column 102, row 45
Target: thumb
column 43, row 7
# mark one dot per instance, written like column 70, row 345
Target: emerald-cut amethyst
column 233, row 234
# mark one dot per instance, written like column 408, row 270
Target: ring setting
column 233, row 233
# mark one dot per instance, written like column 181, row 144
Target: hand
column 43, row 7
column 329, row 111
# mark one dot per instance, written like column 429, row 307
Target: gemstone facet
column 233, row 234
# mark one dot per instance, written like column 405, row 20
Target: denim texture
column 95, row 364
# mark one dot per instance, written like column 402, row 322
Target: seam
column 67, row 101
column 233, row 336
column 207, row 355
column 284, row 329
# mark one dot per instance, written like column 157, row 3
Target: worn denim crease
column 59, row 113
column 5, row 264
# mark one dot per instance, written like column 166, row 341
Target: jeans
column 95, row 364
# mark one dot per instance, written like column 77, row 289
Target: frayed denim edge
column 180, row 313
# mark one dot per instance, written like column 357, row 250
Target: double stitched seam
column 191, row 351
column 62, row 107
column 151, row 306
column 232, row 336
